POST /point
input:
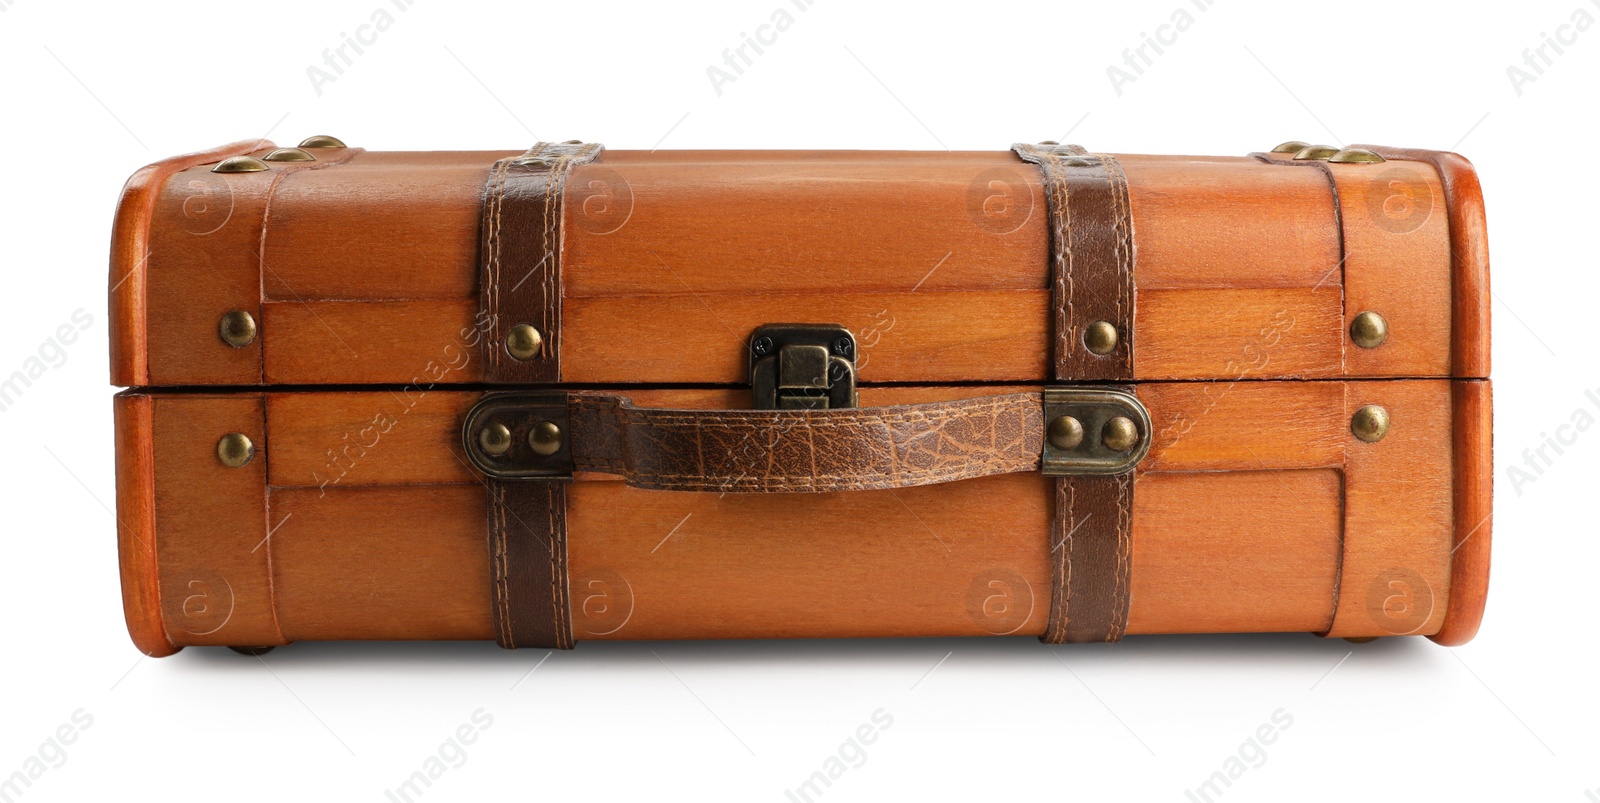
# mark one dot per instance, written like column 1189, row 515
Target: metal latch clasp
column 1093, row 431
column 800, row 366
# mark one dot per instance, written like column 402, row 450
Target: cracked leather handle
column 766, row 451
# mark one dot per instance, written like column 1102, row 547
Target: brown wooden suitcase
column 574, row 393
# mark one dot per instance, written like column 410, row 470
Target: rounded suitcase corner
column 136, row 525
column 1473, row 435
column 130, row 247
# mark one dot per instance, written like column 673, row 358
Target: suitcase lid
column 368, row 268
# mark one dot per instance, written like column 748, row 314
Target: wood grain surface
column 1242, row 523
column 363, row 268
column 360, row 517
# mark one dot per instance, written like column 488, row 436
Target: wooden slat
column 382, row 563
column 1222, row 426
column 873, row 563
column 1397, row 263
column 136, row 525
column 337, row 440
column 211, row 522
column 809, row 223
column 1221, row 552
column 1469, row 251
column 1399, row 513
column 1233, row 334
column 903, row 337
column 1473, row 429
column 202, row 264
column 376, row 342
column 131, row 248
column 1204, row 223
column 368, row 232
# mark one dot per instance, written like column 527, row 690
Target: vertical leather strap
column 528, row 564
column 1092, row 262
column 1091, row 557
column 1091, row 256
column 520, row 280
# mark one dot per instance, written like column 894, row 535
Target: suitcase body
column 572, row 393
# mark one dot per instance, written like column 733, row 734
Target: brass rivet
column 1370, row 423
column 1368, row 330
column 1100, row 337
column 1314, row 153
column 1066, row 432
column 524, row 342
column 290, row 155
column 1120, row 434
column 322, row 141
column 1049, row 142
column 1292, row 146
column 495, row 439
column 240, row 164
column 1356, row 156
column 235, row 450
column 545, row 438
column 237, row 328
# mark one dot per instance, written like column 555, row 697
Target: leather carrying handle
column 795, row 451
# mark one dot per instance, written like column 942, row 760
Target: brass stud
column 1356, row 156
column 495, row 439
column 1100, row 337
column 1370, row 423
column 1368, row 330
column 1120, row 434
column 240, row 164
column 1049, row 142
column 524, row 342
column 1292, row 146
column 1066, row 432
column 322, row 141
column 545, row 438
column 237, row 328
column 290, row 155
column 1315, row 153
column 235, row 450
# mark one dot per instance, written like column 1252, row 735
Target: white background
column 92, row 92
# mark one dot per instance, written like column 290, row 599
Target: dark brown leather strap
column 528, row 564
column 1091, row 557
column 521, row 251
column 806, row 451
column 1091, row 258
column 1092, row 264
